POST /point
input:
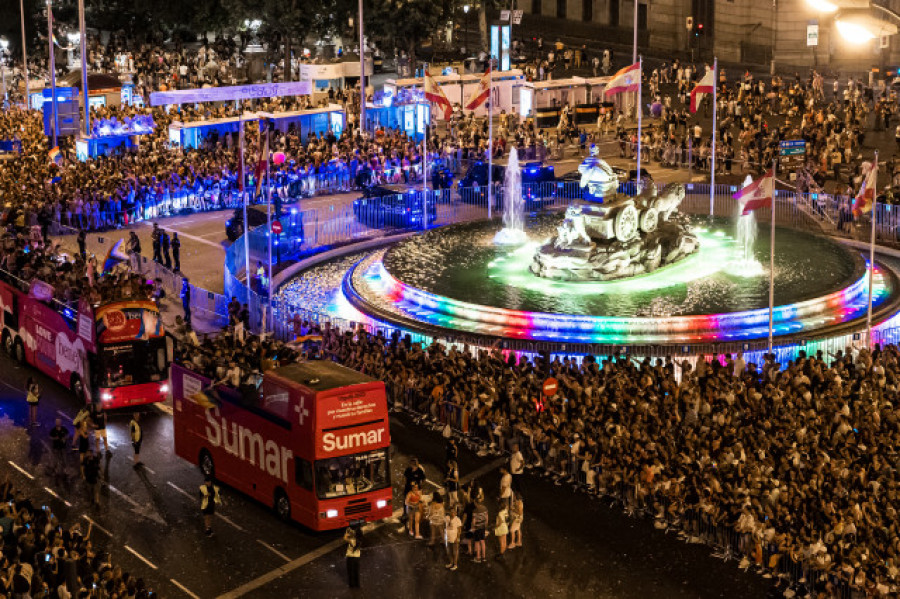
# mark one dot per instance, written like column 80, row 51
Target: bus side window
column 304, row 475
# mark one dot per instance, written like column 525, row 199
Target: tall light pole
column 774, row 27
column 54, row 124
column 634, row 47
column 4, row 45
column 84, row 72
column 362, row 73
column 24, row 53
column 466, row 12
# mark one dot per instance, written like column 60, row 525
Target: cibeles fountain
column 616, row 270
column 623, row 237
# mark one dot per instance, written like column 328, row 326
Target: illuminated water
column 513, row 231
column 462, row 263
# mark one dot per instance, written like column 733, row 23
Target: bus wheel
column 19, row 351
column 207, row 466
column 282, row 505
column 7, row 343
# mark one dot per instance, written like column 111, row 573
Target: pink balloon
column 278, row 158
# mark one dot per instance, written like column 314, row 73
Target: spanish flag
column 55, row 156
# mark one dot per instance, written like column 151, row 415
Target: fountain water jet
column 746, row 265
column 513, row 231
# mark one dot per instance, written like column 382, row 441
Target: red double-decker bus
column 310, row 439
column 115, row 353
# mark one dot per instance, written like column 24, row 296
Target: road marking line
column 183, row 588
column 128, row 499
column 300, row 561
column 20, row 469
column 148, row 469
column 337, row 543
column 52, row 492
column 192, row 498
column 164, row 408
column 273, row 550
column 64, row 415
column 229, row 521
column 95, row 525
column 141, row 557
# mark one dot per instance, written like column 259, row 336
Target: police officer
column 137, row 437
column 186, row 299
column 33, row 395
column 164, row 240
column 209, row 499
column 176, row 251
column 353, row 537
column 155, row 236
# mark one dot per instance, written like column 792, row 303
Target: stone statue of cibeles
column 624, row 236
column 597, row 177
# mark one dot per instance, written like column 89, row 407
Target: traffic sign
column 792, row 147
column 504, row 15
column 517, row 17
column 276, row 227
column 551, row 386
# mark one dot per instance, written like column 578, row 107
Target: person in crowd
column 452, row 534
column 480, row 523
column 32, row 398
column 516, row 516
column 436, row 514
column 413, row 504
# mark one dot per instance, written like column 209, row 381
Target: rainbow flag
column 55, row 156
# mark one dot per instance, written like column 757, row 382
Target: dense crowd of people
column 797, row 461
column 42, row 557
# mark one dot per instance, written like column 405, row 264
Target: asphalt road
column 575, row 546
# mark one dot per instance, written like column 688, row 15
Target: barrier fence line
column 309, row 231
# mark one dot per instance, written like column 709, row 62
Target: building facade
column 733, row 30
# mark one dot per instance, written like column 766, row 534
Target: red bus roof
column 321, row 375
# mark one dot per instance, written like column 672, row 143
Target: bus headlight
column 106, row 396
column 164, row 388
column 331, row 513
column 381, row 504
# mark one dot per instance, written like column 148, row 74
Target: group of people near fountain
column 796, row 462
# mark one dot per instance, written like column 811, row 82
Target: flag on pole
column 707, row 85
column 758, row 194
column 261, row 163
column 55, row 156
column 481, row 93
column 435, row 95
column 865, row 199
column 625, row 80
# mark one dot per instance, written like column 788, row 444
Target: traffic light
column 698, row 30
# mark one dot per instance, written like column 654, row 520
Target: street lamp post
column 466, row 12
column 54, row 121
column 84, row 71
column 24, row 53
column 4, row 44
column 362, row 73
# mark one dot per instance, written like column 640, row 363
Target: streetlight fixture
column 822, row 5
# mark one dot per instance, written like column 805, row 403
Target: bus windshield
column 352, row 474
column 132, row 363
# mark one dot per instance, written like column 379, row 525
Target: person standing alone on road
column 58, row 437
column 353, row 538
column 452, row 531
column 33, row 395
column 137, row 437
column 209, row 499
column 91, row 469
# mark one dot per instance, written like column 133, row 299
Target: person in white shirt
column 505, row 487
column 516, row 467
column 452, row 527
